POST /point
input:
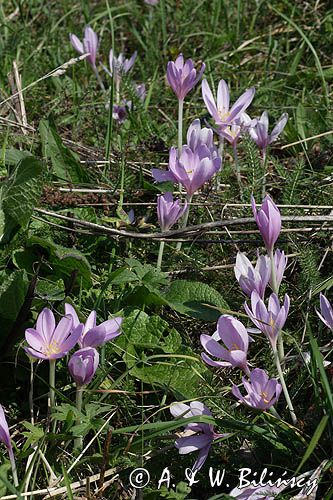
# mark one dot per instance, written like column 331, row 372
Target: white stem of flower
column 160, row 255
column 52, row 364
column 284, row 386
column 185, row 219
column 13, row 465
column 78, row 442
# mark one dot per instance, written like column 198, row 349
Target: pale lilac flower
column 88, row 45
column 140, row 89
column 92, row 335
column 235, row 343
column 201, row 435
column 83, row 365
column 326, row 312
column 152, row 2
column 221, row 112
column 5, row 439
column 197, row 136
column 234, row 132
column 119, row 65
column 182, row 76
column 169, row 211
column 51, row 341
column 262, row 392
column 280, row 263
column 260, row 134
column 268, row 219
column 192, row 169
column 4, row 430
column 252, row 278
column 119, row 111
column 270, row 320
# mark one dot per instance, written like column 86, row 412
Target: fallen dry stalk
column 188, row 232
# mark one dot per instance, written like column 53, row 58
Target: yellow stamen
column 52, row 348
column 265, row 397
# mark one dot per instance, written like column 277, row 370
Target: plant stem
column 31, row 392
column 78, row 442
column 264, row 160
column 14, row 470
column 185, row 219
column 99, row 79
column 52, row 364
column 220, row 152
column 274, row 412
column 180, row 126
column 284, row 387
column 238, row 175
column 180, row 133
column 160, row 255
column 276, row 291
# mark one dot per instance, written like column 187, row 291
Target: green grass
column 283, row 49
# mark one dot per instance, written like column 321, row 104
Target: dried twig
column 188, row 232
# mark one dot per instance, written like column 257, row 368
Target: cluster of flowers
column 231, row 340
column 118, row 67
column 51, row 341
column 194, row 164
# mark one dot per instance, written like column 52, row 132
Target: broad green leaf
column 13, row 156
column 153, row 352
column 13, row 290
column 4, row 470
column 193, row 298
column 65, row 163
column 18, row 197
column 61, row 262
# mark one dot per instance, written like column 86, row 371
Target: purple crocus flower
column 197, row 136
column 51, row 341
column 234, row 337
column 259, row 132
column 252, row 278
column 280, row 263
column 5, row 439
column 268, row 219
column 4, row 430
column 262, row 392
column 152, row 2
column 201, row 435
column 83, row 365
column 89, row 44
column 270, row 320
column 182, row 76
column 120, row 65
column 233, row 132
column 140, row 89
column 326, row 312
column 223, row 116
column 92, row 335
column 169, row 211
column 119, row 111
column 192, row 169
